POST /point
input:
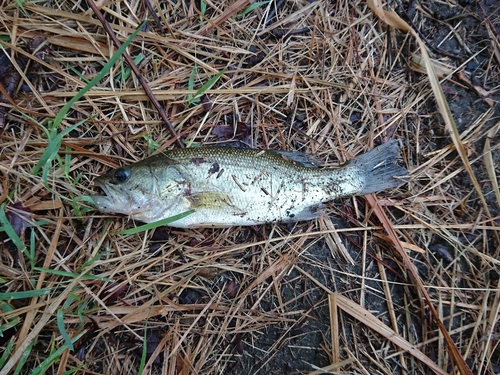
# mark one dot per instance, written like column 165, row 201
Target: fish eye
column 122, row 174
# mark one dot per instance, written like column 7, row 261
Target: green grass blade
column 91, row 261
column 42, row 367
column 126, row 70
column 7, row 352
column 6, row 326
column 6, row 308
column 80, row 75
column 7, row 296
column 156, row 224
column 20, row 3
column 72, row 371
column 62, row 329
column 144, row 349
column 206, row 86
column 7, row 227
column 190, row 84
column 252, row 7
column 203, row 9
column 23, row 359
column 32, row 249
column 55, row 141
column 72, row 274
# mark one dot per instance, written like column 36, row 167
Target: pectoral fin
column 209, row 200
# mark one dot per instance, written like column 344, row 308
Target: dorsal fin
column 300, row 158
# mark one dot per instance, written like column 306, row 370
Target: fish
column 228, row 186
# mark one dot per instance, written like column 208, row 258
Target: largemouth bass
column 233, row 186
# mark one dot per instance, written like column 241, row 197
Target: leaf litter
column 338, row 294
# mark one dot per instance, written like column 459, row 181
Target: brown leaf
column 18, row 217
column 112, row 292
column 226, row 132
column 231, row 289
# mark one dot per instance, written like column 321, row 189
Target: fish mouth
column 112, row 201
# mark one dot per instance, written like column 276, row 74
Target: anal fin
column 309, row 213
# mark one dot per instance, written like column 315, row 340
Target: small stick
column 139, row 76
column 155, row 16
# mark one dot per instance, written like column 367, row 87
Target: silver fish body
column 229, row 186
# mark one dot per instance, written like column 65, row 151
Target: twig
column 155, row 16
column 139, row 76
column 271, row 13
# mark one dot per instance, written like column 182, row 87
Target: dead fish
column 233, row 186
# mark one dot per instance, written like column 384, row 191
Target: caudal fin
column 380, row 168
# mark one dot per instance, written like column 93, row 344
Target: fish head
column 138, row 191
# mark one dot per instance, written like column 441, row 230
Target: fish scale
column 229, row 186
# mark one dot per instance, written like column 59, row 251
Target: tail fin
column 380, row 168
